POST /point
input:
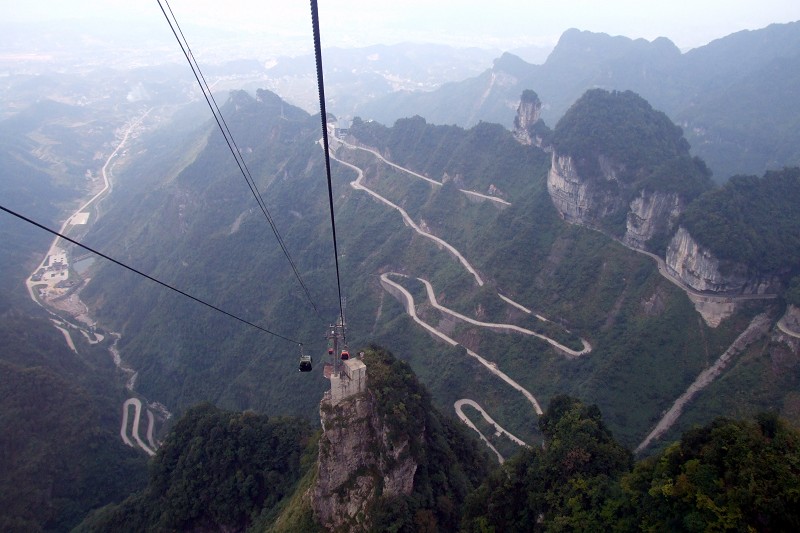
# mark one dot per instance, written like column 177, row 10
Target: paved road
column 510, row 327
column 407, row 219
column 137, row 412
column 106, row 187
column 664, row 270
column 458, row 405
column 420, row 176
column 522, row 307
column 68, row 338
column 358, row 185
column 408, row 302
column 784, row 328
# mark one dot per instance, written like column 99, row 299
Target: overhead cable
column 229, row 140
column 324, row 117
column 151, row 278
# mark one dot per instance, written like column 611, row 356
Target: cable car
column 305, row 361
column 345, row 355
column 331, row 337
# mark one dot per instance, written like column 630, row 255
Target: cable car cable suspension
column 151, row 278
column 324, row 118
column 229, row 140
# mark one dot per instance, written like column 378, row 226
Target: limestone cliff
column 579, row 201
column 623, row 167
column 651, row 213
column 389, row 460
column 358, row 463
column 528, row 118
column 698, row 268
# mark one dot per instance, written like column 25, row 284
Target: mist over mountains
column 707, row 91
column 592, row 257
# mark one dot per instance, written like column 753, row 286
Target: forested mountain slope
column 477, row 189
column 59, row 407
column 451, row 228
column 406, row 466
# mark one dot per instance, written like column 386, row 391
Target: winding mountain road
column 508, row 327
column 407, row 300
column 522, row 307
column 420, row 176
column 79, row 310
column 358, row 185
column 137, row 412
column 665, row 271
column 786, row 329
column 74, row 216
column 458, row 406
column 405, row 297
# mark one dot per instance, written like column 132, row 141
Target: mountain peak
column 588, row 47
column 511, row 64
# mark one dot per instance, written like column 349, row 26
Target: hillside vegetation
column 648, row 344
column 727, row 475
column 450, row 464
column 751, row 220
column 216, row 469
column 61, row 452
column 634, row 136
column 240, row 471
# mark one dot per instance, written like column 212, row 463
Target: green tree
column 729, row 475
column 566, row 485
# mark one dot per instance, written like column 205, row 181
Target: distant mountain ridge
column 706, row 91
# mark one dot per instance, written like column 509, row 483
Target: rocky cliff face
column 697, row 267
column 358, row 464
column 579, row 201
column 529, row 113
column 651, row 213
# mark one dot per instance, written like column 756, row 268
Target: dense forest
column 727, row 475
column 622, row 149
column 751, row 220
column 216, row 469
column 61, row 455
column 634, row 138
column 220, row 469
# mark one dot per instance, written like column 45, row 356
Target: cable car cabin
column 345, row 355
column 305, row 363
column 330, row 351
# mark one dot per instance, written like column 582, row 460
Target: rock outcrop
column 621, row 166
column 651, row 213
column 579, row 201
column 358, row 463
column 698, row 268
column 529, row 113
column 791, row 319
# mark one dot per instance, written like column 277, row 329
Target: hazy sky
column 503, row 24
